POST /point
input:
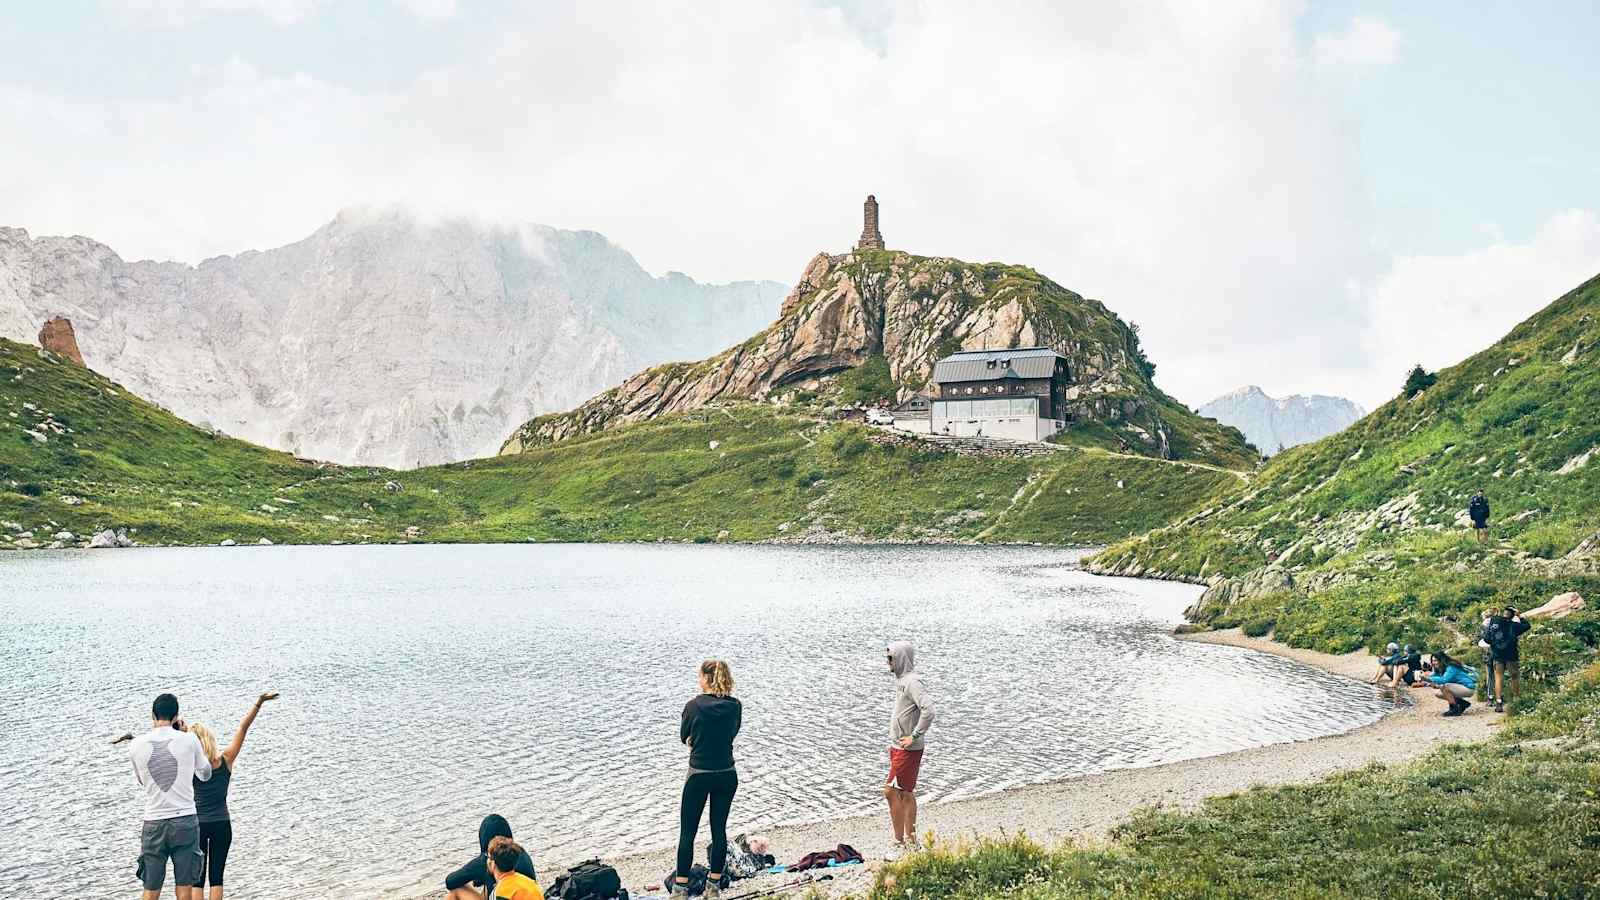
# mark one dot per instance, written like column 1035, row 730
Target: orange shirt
column 517, row 886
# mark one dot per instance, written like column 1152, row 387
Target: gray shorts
column 176, row 839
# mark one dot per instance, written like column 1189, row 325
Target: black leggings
column 719, row 788
column 215, row 839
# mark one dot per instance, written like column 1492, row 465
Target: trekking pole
column 806, row 879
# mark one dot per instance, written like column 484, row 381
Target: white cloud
column 1180, row 162
column 1366, row 41
column 179, row 13
column 429, row 10
column 182, row 13
column 1438, row 310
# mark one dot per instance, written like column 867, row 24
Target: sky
column 1309, row 197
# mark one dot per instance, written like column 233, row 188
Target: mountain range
column 382, row 338
column 1274, row 424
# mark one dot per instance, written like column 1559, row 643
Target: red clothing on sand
column 903, row 768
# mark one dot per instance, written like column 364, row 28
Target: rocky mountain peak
column 1278, row 423
column 847, row 309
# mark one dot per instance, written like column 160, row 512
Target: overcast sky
column 1308, row 198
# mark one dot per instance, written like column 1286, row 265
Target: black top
column 476, row 871
column 211, row 797
column 1502, row 633
column 709, row 725
column 1478, row 509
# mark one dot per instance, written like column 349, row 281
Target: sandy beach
column 1088, row 807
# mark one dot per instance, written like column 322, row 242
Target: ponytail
column 718, row 678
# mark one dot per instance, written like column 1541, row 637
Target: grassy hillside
column 1362, row 537
column 743, row 472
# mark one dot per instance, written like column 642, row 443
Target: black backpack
column 1500, row 636
column 588, row 880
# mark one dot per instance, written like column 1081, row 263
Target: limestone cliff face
column 380, row 339
column 913, row 310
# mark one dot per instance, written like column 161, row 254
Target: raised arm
column 237, row 743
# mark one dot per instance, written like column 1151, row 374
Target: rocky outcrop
column 57, row 337
column 1274, row 424
column 380, row 339
column 911, row 310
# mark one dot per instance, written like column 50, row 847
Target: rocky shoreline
column 1089, row 807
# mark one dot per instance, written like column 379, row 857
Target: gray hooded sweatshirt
column 913, row 711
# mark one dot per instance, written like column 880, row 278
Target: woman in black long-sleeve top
column 710, row 722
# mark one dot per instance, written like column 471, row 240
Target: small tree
column 1419, row 380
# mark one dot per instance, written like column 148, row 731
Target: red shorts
column 903, row 768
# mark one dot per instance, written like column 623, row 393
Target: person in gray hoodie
column 913, row 714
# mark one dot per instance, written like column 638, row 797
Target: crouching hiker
column 504, row 855
column 462, row 884
column 1389, row 665
column 913, row 714
column 1455, row 683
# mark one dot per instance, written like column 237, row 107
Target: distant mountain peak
column 1278, row 423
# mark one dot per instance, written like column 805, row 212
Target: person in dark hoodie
column 1478, row 511
column 462, row 884
column 913, row 714
column 710, row 722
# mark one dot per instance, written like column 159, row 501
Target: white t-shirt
column 167, row 762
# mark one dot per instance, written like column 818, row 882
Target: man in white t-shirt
column 166, row 760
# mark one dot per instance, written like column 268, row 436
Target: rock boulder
column 58, row 337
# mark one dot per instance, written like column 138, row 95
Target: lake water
column 424, row 686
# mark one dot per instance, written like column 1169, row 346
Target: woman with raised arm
column 211, row 798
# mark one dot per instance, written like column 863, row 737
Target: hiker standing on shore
column 710, row 722
column 1478, row 510
column 913, row 714
column 167, row 761
column 1504, row 628
column 211, row 799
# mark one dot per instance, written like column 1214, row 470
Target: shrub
column 1419, row 380
column 31, row 489
column 1259, row 627
column 845, row 444
column 868, row 383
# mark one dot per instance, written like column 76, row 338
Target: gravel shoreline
column 1088, row 807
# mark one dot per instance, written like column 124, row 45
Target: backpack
column 588, row 880
column 1500, row 637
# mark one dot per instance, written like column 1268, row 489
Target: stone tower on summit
column 871, row 239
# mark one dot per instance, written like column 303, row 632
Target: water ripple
column 425, row 686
